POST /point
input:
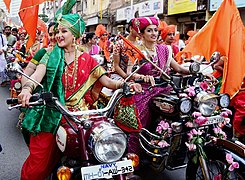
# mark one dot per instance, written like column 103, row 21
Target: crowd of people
column 67, row 68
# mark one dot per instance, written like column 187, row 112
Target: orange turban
column 165, row 29
column 100, row 29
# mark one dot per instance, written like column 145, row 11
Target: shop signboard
column 181, row 6
column 147, row 8
column 92, row 21
column 215, row 4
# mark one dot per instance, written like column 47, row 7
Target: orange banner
column 7, row 4
column 29, row 15
column 225, row 33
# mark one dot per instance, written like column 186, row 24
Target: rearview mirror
column 14, row 70
column 215, row 57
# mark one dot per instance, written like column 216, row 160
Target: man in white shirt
column 3, row 49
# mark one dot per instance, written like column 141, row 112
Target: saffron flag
column 29, row 16
column 224, row 33
column 135, row 53
column 7, row 4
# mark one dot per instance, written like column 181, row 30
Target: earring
column 74, row 41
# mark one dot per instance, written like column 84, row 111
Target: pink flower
column 201, row 120
column 217, row 130
column 228, row 111
column 227, row 120
column 170, row 130
column 163, row 144
column 229, row 158
column 153, row 142
column 196, row 114
column 234, row 165
column 224, row 114
column 219, row 133
column 204, row 85
column 196, row 132
column 191, row 91
column 189, row 124
column 213, row 89
column 190, row 135
column 191, row 147
column 164, row 125
column 159, row 129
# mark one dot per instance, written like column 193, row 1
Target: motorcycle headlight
column 107, row 142
column 207, row 104
column 17, row 85
column 224, row 100
column 185, row 105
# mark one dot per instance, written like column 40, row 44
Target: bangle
column 29, row 85
column 27, row 88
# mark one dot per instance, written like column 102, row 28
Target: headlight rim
column 95, row 137
column 202, row 100
column 221, row 96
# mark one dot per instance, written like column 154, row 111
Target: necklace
column 71, row 73
column 152, row 54
column 153, row 49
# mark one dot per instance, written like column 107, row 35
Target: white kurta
column 3, row 47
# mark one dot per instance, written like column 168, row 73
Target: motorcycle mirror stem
column 214, row 58
column 16, row 69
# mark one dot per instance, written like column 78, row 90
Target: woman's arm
column 178, row 68
column 113, row 84
column 30, row 86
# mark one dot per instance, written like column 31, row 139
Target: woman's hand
column 24, row 97
column 146, row 78
column 149, row 79
column 136, row 87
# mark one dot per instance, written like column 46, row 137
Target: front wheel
column 216, row 166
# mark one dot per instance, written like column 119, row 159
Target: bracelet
column 29, row 85
column 27, row 88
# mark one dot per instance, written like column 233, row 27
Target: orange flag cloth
column 7, row 4
column 29, row 15
column 225, row 33
column 136, row 53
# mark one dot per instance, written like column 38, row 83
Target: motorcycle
column 187, row 130
column 93, row 146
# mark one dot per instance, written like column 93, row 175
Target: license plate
column 106, row 170
column 214, row 120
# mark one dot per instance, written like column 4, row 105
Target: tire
column 216, row 164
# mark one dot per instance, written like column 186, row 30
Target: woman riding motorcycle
column 75, row 78
column 161, row 56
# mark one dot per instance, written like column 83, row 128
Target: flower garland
column 231, row 165
column 164, row 130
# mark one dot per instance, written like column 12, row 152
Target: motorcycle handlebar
column 34, row 98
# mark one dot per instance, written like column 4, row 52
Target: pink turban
column 142, row 22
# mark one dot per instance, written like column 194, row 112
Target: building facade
column 115, row 14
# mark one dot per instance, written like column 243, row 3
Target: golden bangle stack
column 30, row 86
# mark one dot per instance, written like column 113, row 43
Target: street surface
column 15, row 150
